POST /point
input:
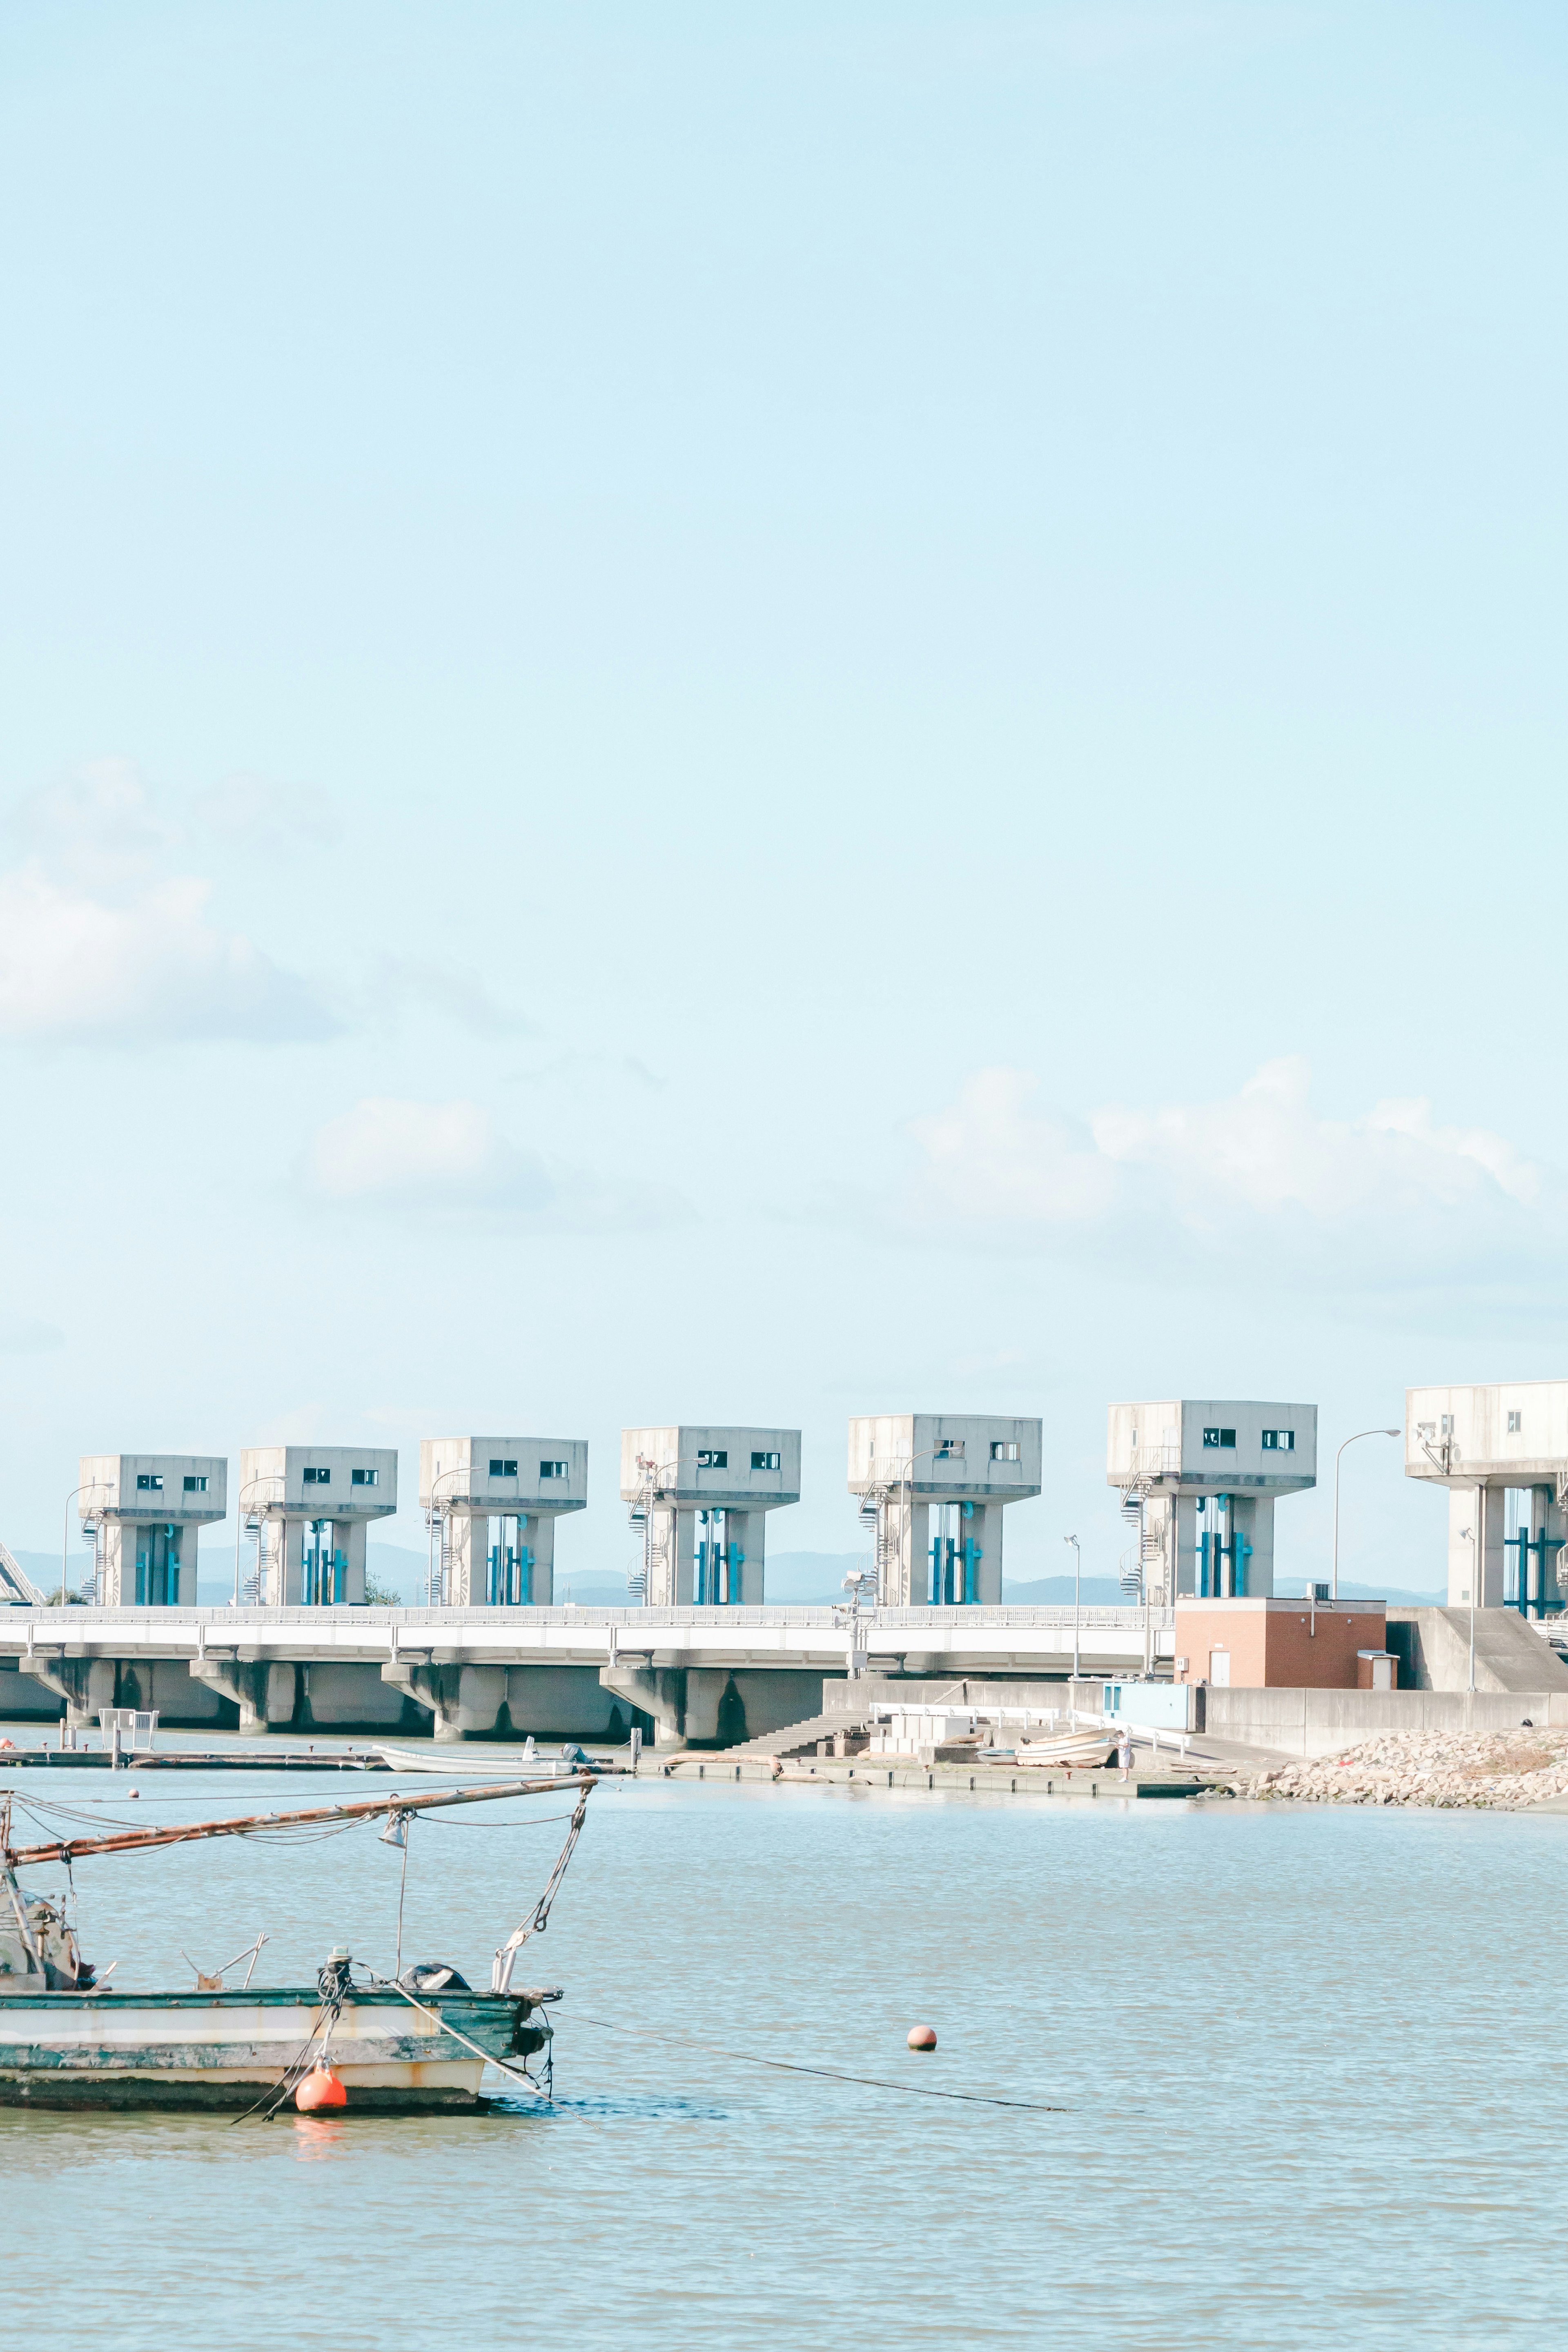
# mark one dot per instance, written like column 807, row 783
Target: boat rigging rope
column 335, row 1986
column 505, row 1959
column 787, row 2066
column 383, row 1984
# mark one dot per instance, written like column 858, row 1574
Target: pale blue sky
column 688, row 693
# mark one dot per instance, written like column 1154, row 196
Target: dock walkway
column 995, row 1779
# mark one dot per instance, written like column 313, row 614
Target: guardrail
column 75, row 1624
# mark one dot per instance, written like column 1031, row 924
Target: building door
column 1219, row 1669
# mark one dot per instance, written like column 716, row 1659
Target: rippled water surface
column 1305, row 2055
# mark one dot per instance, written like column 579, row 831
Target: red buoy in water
column 321, row 2088
column 922, row 2037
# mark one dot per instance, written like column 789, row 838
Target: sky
column 748, row 714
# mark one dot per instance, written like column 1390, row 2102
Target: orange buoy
column 922, row 2037
column 321, row 2088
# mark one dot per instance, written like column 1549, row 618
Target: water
column 1306, row 2056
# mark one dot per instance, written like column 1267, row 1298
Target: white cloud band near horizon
column 1257, row 1180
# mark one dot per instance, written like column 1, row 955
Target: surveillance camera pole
column 1076, row 1575
column 1334, row 1585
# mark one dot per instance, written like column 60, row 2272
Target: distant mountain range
column 805, row 1578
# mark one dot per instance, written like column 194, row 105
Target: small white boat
column 1081, row 1751
column 351, row 2040
column 470, row 1764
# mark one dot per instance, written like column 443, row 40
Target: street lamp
column 1467, row 1535
column 1334, row 1585
column 1077, row 1574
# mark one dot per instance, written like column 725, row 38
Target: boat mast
column 14, row 1858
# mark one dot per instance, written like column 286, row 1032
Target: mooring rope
column 788, row 2066
column 384, row 1984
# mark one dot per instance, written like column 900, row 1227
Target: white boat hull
column 227, row 2050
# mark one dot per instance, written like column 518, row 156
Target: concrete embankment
column 1502, row 1771
column 1308, row 1723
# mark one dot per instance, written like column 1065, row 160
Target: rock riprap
column 1497, row 1771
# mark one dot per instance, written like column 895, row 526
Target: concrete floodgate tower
column 308, row 1508
column 1501, row 1450
column 142, row 1513
column 699, row 1497
column 1199, row 1480
column 490, row 1505
column 932, row 1489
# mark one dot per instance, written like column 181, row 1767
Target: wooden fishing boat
column 67, row 2049
column 352, row 2040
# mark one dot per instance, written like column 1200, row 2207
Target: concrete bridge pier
column 265, row 1691
column 466, row 1701
column 84, row 1684
column 684, row 1701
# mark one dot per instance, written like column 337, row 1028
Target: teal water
column 1306, row 2056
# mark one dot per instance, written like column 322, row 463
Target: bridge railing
column 74, row 1624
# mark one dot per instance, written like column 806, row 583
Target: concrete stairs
column 796, row 1736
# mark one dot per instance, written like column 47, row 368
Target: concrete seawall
column 1318, row 1722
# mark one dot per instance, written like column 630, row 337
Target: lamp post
column 1467, row 1535
column 1077, row 1574
column 1334, row 1585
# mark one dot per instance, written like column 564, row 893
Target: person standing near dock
column 1123, row 1749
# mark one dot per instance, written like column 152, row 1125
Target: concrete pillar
column 680, row 1569
column 1252, row 1515
column 539, row 1535
column 264, row 1690
column 350, row 1535
column 1480, row 1508
column 749, row 1530
column 1160, row 1535
column 466, row 1701
column 986, row 1527
column 282, row 1561
column 915, row 1529
column 1186, row 1540
column 684, row 1701
column 84, row 1684
column 118, row 1587
column 468, row 1558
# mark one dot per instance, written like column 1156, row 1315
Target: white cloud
column 101, row 943
column 97, row 825
column 1257, row 1180
column 389, row 1149
column 78, row 967
column 449, row 1159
